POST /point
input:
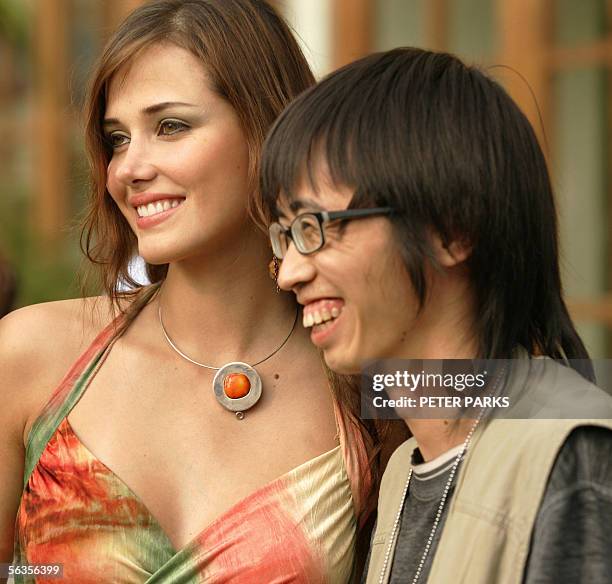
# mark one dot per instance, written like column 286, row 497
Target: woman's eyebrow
column 158, row 107
column 152, row 109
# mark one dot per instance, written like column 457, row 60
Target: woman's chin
column 155, row 260
column 159, row 255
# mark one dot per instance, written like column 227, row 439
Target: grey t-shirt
column 420, row 508
column 572, row 537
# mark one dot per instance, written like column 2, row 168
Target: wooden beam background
column 436, row 24
column 51, row 120
column 352, row 30
column 524, row 29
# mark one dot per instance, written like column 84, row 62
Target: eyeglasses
column 306, row 230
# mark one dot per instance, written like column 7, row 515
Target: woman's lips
column 150, row 215
column 155, row 207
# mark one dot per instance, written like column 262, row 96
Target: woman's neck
column 225, row 308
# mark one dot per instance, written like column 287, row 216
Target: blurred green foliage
column 14, row 22
column 44, row 272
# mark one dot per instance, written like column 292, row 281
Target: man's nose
column 295, row 269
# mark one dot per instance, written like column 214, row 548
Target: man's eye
column 117, row 139
column 169, row 127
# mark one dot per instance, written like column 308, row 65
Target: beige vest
column 501, row 483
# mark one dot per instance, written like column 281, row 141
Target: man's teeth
column 157, row 207
column 319, row 317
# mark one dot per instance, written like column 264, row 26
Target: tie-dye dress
column 75, row 511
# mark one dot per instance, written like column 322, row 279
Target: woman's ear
column 449, row 255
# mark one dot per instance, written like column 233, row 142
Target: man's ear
column 449, row 255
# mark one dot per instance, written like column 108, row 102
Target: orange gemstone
column 236, row 385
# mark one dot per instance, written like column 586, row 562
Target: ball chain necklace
column 237, row 385
column 436, row 522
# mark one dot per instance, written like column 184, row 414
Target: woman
column 195, row 438
column 417, row 221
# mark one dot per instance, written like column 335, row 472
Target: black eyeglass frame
column 323, row 217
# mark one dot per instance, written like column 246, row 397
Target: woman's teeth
column 157, row 207
column 320, row 316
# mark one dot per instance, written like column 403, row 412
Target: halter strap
column 73, row 385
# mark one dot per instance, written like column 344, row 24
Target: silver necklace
column 237, row 385
column 434, row 527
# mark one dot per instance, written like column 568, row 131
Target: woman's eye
column 169, row 127
column 117, row 139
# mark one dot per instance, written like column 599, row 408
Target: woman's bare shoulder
column 49, row 330
column 39, row 343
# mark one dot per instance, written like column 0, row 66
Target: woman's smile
column 152, row 209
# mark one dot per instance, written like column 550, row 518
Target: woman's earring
column 273, row 269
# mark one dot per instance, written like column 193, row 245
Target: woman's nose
column 295, row 269
column 133, row 165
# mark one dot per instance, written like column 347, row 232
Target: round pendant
column 237, row 386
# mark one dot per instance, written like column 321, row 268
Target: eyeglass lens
column 306, row 232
